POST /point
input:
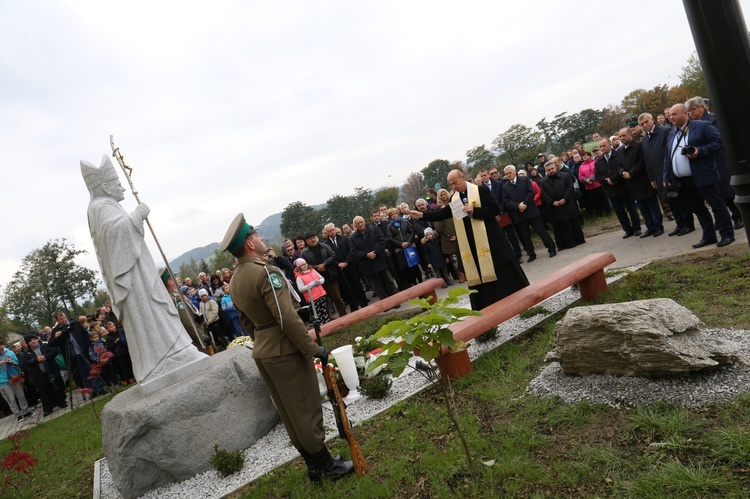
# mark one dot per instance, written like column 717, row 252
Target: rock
column 649, row 338
column 169, row 435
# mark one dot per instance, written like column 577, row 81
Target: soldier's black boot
column 325, row 467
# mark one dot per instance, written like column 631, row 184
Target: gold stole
column 486, row 271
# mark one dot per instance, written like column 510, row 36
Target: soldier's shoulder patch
column 180, row 306
column 275, row 280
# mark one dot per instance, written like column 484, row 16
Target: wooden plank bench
column 424, row 289
column 588, row 273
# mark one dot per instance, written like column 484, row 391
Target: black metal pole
column 723, row 46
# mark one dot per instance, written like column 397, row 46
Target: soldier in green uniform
column 282, row 348
column 188, row 317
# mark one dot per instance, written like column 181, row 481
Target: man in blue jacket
column 690, row 165
column 697, row 111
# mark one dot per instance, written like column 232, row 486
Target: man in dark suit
column 351, row 285
column 518, row 198
column 690, row 165
column 654, row 146
column 636, row 178
column 368, row 249
column 322, row 259
column 608, row 171
column 496, row 188
column 697, row 111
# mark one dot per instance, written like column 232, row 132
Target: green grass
column 713, row 287
column 531, row 312
column 532, row 447
column 66, row 448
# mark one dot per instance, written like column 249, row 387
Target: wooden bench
column 424, row 289
column 588, row 273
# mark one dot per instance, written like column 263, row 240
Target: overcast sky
column 224, row 107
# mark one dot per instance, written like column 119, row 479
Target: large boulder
column 649, row 338
column 169, row 435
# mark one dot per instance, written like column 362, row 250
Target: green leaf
column 437, row 317
column 399, row 363
column 462, row 312
column 459, row 292
column 422, row 302
column 410, row 337
column 388, row 329
column 379, row 361
column 445, row 337
column 429, row 351
column 391, row 348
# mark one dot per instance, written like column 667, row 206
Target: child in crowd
column 97, row 352
column 210, row 310
column 310, row 282
column 227, row 305
column 436, row 261
column 190, row 293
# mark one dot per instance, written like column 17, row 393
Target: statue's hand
column 143, row 210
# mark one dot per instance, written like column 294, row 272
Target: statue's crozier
column 159, row 346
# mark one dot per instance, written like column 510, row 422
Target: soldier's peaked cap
column 165, row 275
column 238, row 231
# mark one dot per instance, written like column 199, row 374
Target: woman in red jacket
column 595, row 196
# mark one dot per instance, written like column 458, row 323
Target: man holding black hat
column 282, row 348
column 322, row 258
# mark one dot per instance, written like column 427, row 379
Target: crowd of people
column 671, row 167
column 91, row 352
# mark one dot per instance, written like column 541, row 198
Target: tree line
column 49, row 279
column 517, row 145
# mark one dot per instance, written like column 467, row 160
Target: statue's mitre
column 94, row 177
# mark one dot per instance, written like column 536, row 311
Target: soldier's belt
column 266, row 326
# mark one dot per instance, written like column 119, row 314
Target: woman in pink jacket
column 595, row 197
column 310, row 281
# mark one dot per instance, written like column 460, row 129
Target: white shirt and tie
column 680, row 162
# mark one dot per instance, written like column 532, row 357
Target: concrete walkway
column 9, row 424
column 628, row 252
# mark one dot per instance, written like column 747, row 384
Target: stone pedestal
column 153, row 439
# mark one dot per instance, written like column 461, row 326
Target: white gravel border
column 696, row 390
column 274, row 449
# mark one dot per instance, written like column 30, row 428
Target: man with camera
column 690, row 166
column 654, row 146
